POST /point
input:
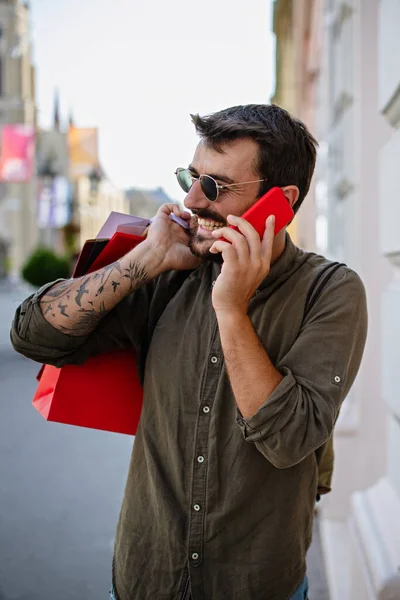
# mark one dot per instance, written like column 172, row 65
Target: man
column 246, row 349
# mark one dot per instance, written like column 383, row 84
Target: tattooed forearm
column 62, row 308
column 61, row 289
column 136, row 274
column 76, row 306
column 47, row 309
column 82, row 289
column 86, row 322
column 79, row 287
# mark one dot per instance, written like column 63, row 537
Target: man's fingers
column 244, row 227
column 167, row 209
column 226, row 249
column 237, row 240
column 219, row 246
column 268, row 239
column 248, row 231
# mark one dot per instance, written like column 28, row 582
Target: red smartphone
column 274, row 202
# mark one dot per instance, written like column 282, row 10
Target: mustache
column 207, row 213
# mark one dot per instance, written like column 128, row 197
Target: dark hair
column 287, row 149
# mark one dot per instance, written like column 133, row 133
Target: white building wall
column 361, row 170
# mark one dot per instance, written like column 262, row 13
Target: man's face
column 234, row 165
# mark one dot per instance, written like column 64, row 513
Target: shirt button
column 195, row 556
column 196, row 507
column 200, row 459
column 214, row 360
column 337, row 379
column 206, row 409
column 213, row 283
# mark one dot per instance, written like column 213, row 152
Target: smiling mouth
column 209, row 224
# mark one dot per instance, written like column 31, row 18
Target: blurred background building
column 145, row 203
column 297, row 49
column 96, row 197
column 337, row 69
column 54, row 191
column 18, row 233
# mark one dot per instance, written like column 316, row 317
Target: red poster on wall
column 17, row 153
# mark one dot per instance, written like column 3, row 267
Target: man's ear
column 292, row 194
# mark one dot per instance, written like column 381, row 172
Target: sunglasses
column 209, row 186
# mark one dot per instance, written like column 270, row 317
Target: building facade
column 145, row 203
column 95, row 197
column 54, row 195
column 356, row 115
column 297, row 67
column 18, row 231
column 68, row 196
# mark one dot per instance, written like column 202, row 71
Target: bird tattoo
column 62, row 308
column 81, row 292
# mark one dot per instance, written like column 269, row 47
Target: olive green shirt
column 216, row 504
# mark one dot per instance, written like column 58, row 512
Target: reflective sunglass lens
column 184, row 179
column 209, row 187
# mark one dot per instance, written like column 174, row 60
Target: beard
column 200, row 245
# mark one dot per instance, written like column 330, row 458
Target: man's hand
column 247, row 261
column 169, row 242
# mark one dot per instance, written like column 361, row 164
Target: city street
column 60, row 493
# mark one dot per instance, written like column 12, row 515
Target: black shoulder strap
column 318, row 285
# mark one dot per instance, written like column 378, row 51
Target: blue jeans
column 302, row 591
column 300, row 594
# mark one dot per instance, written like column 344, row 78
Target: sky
column 137, row 69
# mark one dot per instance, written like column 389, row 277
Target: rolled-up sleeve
column 318, row 372
column 33, row 336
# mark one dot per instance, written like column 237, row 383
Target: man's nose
column 195, row 197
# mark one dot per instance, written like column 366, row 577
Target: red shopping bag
column 105, row 392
